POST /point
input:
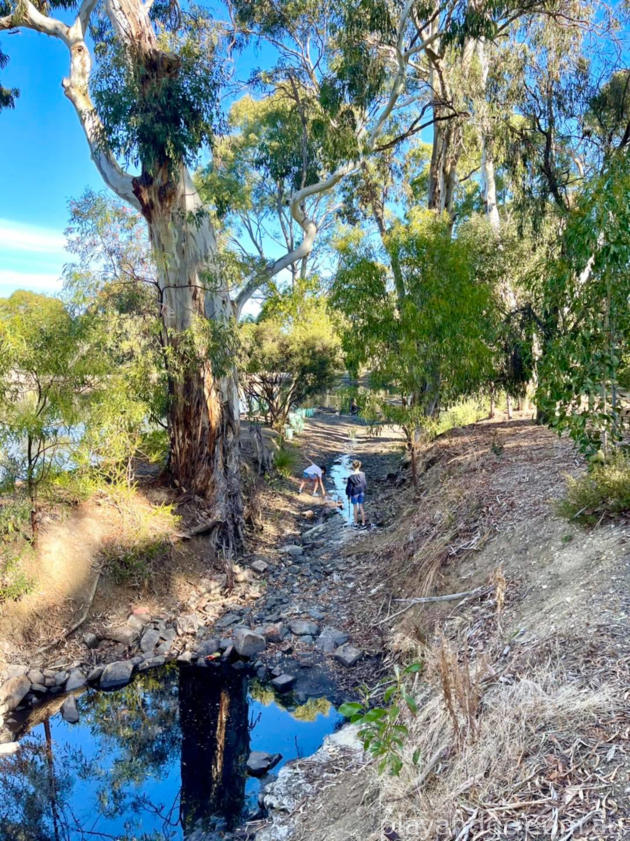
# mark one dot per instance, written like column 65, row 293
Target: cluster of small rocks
column 241, row 635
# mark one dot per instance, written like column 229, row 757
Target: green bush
column 285, row 461
column 14, row 583
column 603, row 492
column 133, row 565
column 14, row 517
column 381, row 728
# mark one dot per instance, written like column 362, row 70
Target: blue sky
column 45, row 161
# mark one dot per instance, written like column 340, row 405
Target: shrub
column 14, row 583
column 285, row 461
column 604, row 491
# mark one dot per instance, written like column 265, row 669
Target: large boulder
column 150, row 639
column 13, row 692
column 116, row 674
column 283, row 682
column 292, row 549
column 248, row 643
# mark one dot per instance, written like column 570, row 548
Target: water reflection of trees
column 215, row 745
column 44, row 789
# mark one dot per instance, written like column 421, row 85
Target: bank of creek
column 180, row 736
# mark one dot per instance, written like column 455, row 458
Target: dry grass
column 509, row 770
column 523, row 694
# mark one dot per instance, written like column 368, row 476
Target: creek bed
column 157, row 760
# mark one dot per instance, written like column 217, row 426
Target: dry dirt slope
column 524, row 722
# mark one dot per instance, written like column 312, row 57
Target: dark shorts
column 357, row 499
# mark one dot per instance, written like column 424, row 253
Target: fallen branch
column 463, row 835
column 579, row 824
column 451, row 597
column 79, row 622
column 204, row 528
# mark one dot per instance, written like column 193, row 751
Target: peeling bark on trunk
column 203, row 413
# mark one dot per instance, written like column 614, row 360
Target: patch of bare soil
column 524, row 721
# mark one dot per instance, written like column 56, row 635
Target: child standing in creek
column 356, row 487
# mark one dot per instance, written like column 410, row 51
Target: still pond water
column 154, row 760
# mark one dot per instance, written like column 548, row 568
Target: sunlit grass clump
column 604, row 491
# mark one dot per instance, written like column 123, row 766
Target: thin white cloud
column 15, row 236
column 34, row 281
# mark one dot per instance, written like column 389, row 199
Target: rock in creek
column 7, row 748
column 90, row 639
column 259, row 762
column 35, row 676
column 95, row 674
column 122, row 634
column 227, row 620
column 151, row 663
column 149, row 640
column 248, row 643
column 283, row 682
column 208, row 647
column 292, row 549
column 76, row 680
column 301, row 628
column 314, row 533
column 13, row 691
column 69, row 710
column 259, row 566
column 347, row 654
column 273, row 631
column 330, row 639
column 116, row 674
column 137, row 621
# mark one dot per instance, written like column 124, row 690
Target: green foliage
column 46, row 371
column 289, row 354
column 285, row 460
column 586, row 294
column 381, row 728
column 15, row 512
column 14, row 516
column 7, row 95
column 133, row 565
column 14, row 582
column 603, row 492
column 430, row 339
column 159, row 107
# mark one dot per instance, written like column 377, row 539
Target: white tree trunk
column 488, row 179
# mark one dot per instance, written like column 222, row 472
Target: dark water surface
column 153, row 760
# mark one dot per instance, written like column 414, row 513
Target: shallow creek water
column 154, row 760
column 339, row 473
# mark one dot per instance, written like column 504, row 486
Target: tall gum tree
column 141, row 94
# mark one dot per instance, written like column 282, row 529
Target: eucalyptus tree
column 146, row 93
column 268, row 154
